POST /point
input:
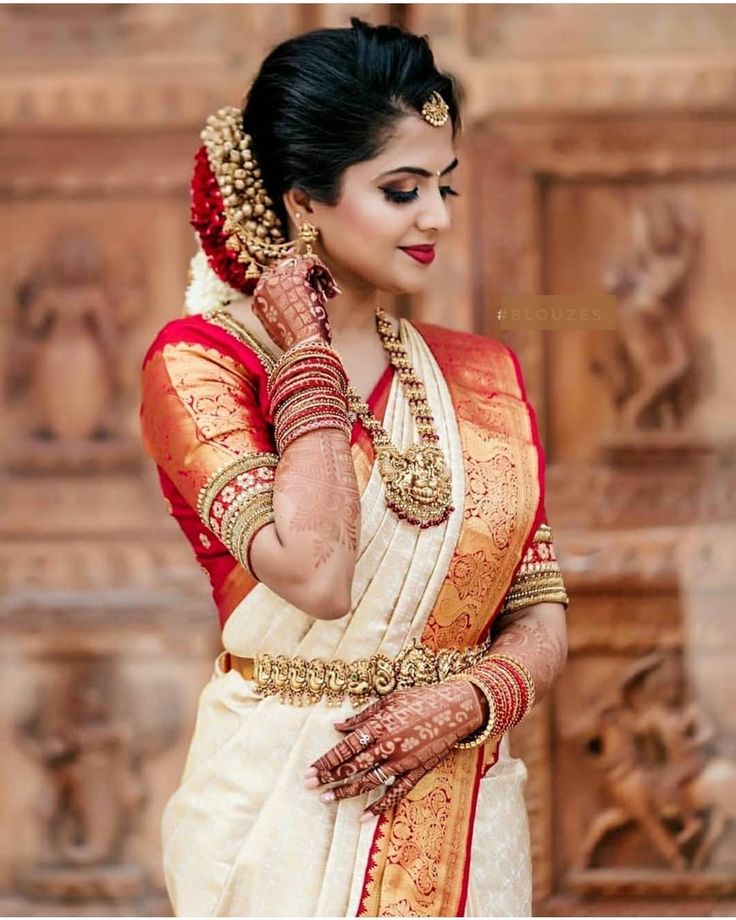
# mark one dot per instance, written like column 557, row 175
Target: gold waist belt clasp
column 302, row 681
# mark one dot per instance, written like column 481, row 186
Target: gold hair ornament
column 435, row 110
column 252, row 227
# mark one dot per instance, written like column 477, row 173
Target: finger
column 396, row 792
column 359, row 717
column 356, row 787
column 338, row 763
column 320, row 277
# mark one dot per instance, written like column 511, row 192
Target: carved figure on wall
column 610, row 738
column 653, row 358
column 692, row 781
column 92, row 755
column 648, row 742
column 65, row 356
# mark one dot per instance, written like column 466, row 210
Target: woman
column 366, row 505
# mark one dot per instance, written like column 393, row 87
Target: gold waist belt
column 302, row 681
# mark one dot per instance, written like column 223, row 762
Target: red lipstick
column 424, row 254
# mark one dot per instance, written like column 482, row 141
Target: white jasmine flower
column 205, row 290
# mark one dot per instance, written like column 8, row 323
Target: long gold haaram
column 418, row 482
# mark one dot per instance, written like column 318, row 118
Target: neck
column 351, row 318
column 352, row 313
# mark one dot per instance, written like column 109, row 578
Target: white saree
column 241, row 835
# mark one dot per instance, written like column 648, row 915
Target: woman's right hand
column 289, row 300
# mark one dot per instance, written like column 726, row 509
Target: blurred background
column 598, row 155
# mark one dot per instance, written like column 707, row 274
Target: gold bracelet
column 476, row 740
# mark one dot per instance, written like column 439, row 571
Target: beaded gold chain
column 418, row 482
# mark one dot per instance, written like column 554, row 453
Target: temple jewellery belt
column 302, row 681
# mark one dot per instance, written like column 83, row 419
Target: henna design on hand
column 539, row 640
column 413, row 730
column 289, row 300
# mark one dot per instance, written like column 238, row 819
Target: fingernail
column 311, row 783
column 327, row 796
column 312, row 771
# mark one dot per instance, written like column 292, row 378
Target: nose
column 435, row 215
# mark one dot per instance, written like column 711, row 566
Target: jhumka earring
column 308, row 233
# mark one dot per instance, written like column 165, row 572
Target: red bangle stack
column 307, row 390
column 509, row 689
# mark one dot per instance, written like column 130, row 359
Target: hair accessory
column 435, row 110
column 251, row 229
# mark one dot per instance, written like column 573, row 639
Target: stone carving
column 92, row 746
column 65, row 357
column 653, row 356
column 652, row 746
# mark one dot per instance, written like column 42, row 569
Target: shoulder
column 458, row 341
column 195, row 335
column 474, row 359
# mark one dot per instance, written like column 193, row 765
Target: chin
column 402, row 285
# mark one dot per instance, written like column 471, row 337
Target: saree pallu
column 241, row 835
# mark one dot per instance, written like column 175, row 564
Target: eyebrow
column 416, row 171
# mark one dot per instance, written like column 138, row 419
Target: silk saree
column 241, row 836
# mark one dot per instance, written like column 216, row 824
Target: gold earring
column 308, row 233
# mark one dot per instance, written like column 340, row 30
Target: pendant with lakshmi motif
column 418, row 483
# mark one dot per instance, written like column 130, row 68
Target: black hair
column 330, row 98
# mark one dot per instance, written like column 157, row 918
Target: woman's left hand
column 406, row 733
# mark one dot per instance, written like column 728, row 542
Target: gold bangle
column 476, row 740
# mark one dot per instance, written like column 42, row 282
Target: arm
column 311, row 548
column 536, row 636
column 530, row 629
column 202, row 424
column 316, row 501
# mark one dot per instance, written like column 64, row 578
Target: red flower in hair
column 207, row 216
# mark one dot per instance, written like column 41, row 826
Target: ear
column 296, row 201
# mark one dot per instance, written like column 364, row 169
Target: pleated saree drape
column 241, row 835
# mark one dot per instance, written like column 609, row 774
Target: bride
column 366, row 494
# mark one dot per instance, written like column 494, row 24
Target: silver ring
column 364, row 737
column 384, row 778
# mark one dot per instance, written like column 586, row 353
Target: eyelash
column 405, row 197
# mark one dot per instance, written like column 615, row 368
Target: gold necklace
column 418, row 481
